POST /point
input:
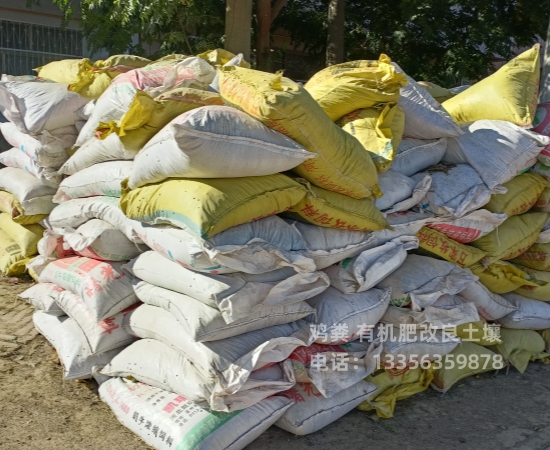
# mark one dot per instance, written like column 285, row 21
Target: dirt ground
column 38, row 411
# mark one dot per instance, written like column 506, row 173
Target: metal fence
column 25, row 46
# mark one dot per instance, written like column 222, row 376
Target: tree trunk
column 263, row 14
column 544, row 96
column 336, row 29
column 238, row 26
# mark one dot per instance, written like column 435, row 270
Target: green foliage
column 442, row 41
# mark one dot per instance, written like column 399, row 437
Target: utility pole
column 544, row 95
column 336, row 30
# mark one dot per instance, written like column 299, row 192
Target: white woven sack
column 312, row 412
column 46, row 149
column 204, row 323
column 343, row 318
column 256, row 247
column 35, row 107
column 159, row 365
column 104, row 286
column 416, row 155
column 35, row 197
column 425, row 118
column 236, row 295
column 42, row 297
column 170, row 421
column 422, row 280
column 98, row 180
column 529, row 315
column 20, row 160
column 70, row 343
column 496, row 149
column 490, row 305
column 366, row 270
column 98, row 239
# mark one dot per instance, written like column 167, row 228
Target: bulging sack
column 489, row 305
column 101, row 336
column 215, row 142
column 371, row 266
column 12, row 261
column 529, row 315
column 378, row 129
column 425, row 118
column 36, row 107
column 98, row 180
column 535, row 257
column 73, row 213
column 41, row 296
column 210, row 206
column 328, row 246
column 204, row 323
column 104, row 287
column 497, row 150
column 202, row 429
column 98, row 239
column 25, row 236
column 540, row 290
column 70, row 343
column 510, row 94
column 45, row 149
column 342, row 164
column 34, row 197
column 415, row 155
column 312, row 411
column 20, row 160
column 256, row 247
column 455, row 190
column 421, row 281
column 501, row 277
column 522, row 194
column 433, row 242
column 343, row 317
column 332, row 210
column 513, row 237
column 395, row 188
column 343, row 88
column 468, row 228
column 236, row 295
column 518, row 347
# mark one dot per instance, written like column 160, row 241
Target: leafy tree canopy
column 436, row 40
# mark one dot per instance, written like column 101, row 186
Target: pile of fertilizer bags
column 230, row 250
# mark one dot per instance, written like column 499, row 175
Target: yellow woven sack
column 523, row 192
column 379, row 130
column 461, row 363
column 473, row 332
column 147, row 116
column 541, row 291
column 26, row 236
column 543, row 202
column 438, row 92
column 11, row 206
column 436, row 243
column 353, row 85
column 93, row 80
column 510, row 94
column 219, row 57
column 394, row 385
column 513, row 237
column 12, row 261
column 535, row 257
column 501, row 277
column 331, row 210
column 206, row 207
column 342, row 166
column 519, row 346
column 66, row 71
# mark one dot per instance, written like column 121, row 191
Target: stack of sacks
column 42, row 117
column 230, row 289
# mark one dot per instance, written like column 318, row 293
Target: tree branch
column 276, row 8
